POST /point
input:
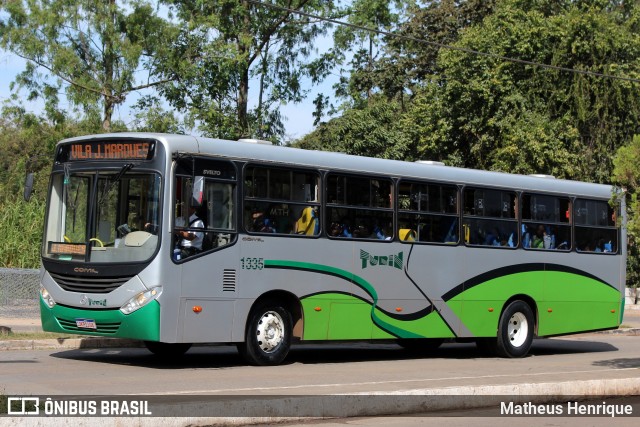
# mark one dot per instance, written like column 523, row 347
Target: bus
column 176, row 240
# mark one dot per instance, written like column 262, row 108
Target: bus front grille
column 89, row 285
column 101, row 327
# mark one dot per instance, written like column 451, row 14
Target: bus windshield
column 103, row 216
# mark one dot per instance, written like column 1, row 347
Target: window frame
column 611, row 227
column 467, row 218
column 429, row 213
column 331, row 207
column 248, row 201
column 535, row 223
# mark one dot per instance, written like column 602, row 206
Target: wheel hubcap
column 270, row 332
column 518, row 329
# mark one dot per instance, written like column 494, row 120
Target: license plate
column 86, row 323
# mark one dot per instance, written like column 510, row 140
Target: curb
column 100, row 342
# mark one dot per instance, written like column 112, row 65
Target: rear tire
column 268, row 336
column 515, row 330
column 167, row 350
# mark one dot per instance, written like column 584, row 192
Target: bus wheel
column 268, row 337
column 515, row 330
column 167, row 350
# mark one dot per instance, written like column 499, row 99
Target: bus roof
column 351, row 163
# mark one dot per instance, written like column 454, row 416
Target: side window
column 359, row 207
column 428, row 212
column 281, row 201
column 490, row 217
column 204, row 207
column 595, row 226
column 545, row 222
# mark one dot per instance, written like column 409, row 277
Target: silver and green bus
column 289, row 245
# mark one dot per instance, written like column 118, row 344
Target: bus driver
column 191, row 241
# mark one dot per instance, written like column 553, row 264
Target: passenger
column 362, row 232
column 541, row 239
column 599, row 247
column 451, row 236
column 381, row 234
column 335, row 230
column 191, row 241
column 492, row 238
column 260, row 223
column 308, row 223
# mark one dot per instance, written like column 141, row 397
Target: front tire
column 515, row 330
column 268, row 336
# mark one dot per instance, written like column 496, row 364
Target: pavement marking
column 370, row 383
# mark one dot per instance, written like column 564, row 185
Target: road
column 574, row 365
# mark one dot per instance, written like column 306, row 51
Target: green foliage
column 151, row 117
column 222, row 47
column 373, row 131
column 27, row 143
column 489, row 113
column 92, row 49
column 22, row 225
column 627, row 174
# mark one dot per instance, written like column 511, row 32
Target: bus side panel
column 207, row 320
column 482, row 303
column 208, row 296
column 578, row 301
column 292, row 265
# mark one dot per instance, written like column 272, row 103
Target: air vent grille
column 229, row 281
column 89, row 285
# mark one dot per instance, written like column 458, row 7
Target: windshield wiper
column 113, row 180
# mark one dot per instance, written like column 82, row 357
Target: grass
column 21, row 224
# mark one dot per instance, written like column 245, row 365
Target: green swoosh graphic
column 358, row 281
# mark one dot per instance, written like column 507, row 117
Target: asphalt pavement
column 628, row 383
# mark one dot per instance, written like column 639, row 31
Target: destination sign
column 60, row 248
column 127, row 150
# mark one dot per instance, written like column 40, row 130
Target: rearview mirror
column 28, row 187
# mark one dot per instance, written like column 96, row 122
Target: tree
column 491, row 113
column 222, row 46
column 93, row 49
column 374, row 131
column 397, row 67
column 365, row 47
column 410, row 59
column 27, row 143
column 626, row 174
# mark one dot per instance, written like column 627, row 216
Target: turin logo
column 385, row 260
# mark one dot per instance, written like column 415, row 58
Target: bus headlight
column 48, row 299
column 140, row 300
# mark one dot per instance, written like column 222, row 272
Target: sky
column 298, row 123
